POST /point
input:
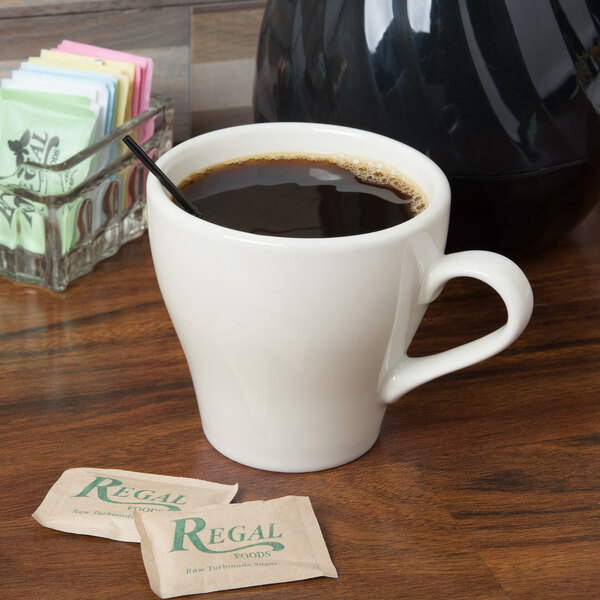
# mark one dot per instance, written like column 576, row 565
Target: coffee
column 306, row 340
column 304, row 196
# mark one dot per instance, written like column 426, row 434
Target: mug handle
column 498, row 272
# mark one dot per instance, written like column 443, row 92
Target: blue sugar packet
column 96, row 91
column 68, row 88
column 110, row 81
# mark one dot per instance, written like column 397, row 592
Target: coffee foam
column 365, row 170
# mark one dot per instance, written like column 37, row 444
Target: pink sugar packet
column 143, row 69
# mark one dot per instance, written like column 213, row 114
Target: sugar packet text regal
column 101, row 502
column 232, row 546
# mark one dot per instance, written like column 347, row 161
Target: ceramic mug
column 296, row 346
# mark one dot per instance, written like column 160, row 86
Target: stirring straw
column 171, row 187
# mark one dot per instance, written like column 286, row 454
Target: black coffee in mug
column 303, row 196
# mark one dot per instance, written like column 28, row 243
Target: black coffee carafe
column 504, row 95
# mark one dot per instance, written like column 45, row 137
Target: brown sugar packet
column 232, row 546
column 101, row 502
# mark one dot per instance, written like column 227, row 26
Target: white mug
column 296, row 346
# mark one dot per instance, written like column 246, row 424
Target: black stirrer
column 171, row 187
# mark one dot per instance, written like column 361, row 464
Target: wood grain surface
column 484, row 484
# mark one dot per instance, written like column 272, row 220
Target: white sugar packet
column 232, row 546
column 101, row 502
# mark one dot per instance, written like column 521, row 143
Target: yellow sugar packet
column 123, row 82
column 125, row 68
column 101, row 502
column 232, row 546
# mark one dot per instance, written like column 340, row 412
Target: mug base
column 279, row 464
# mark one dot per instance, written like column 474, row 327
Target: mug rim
column 437, row 202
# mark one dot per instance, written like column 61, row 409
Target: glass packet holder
column 50, row 240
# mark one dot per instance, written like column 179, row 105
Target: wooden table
column 484, row 483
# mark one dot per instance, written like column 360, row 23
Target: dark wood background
column 203, row 50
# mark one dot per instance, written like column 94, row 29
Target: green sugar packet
column 44, row 128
